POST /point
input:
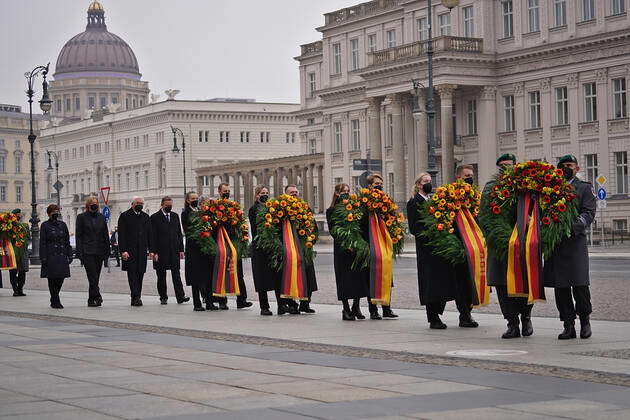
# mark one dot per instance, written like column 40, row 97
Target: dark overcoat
column 350, row 283
column 134, row 237
column 197, row 264
column 55, row 250
column 92, row 235
column 496, row 271
column 310, row 267
column 22, row 261
column 436, row 276
column 166, row 240
column 568, row 265
column 265, row 278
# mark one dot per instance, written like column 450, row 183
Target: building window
column 337, row 58
column 106, row 144
column 81, row 152
column 472, row 117
column 247, row 137
column 74, row 153
column 312, row 85
column 128, row 181
column 313, row 146
column 534, row 109
column 88, row 150
column 618, row 7
column 91, row 102
column 444, row 22
column 508, row 106
column 533, row 15
column 114, row 99
column 135, row 102
column 18, row 193
column 77, row 104
column 390, row 183
column 68, row 105
column 354, row 53
column 3, row 193
column 3, row 164
column 118, row 182
column 18, row 164
column 560, row 12
column 508, row 19
column 118, row 148
column 620, row 225
column 82, row 185
column 469, row 22
column 145, row 140
column 200, row 136
column 338, row 138
column 262, row 136
column 591, row 168
column 103, row 101
column 391, row 38
column 562, row 106
column 97, row 148
column 372, row 42
column 292, row 137
column 338, row 180
column 288, row 138
column 268, row 137
column 58, row 105
column 127, row 143
column 159, row 137
column 356, row 134
column 423, row 29
column 137, row 180
column 590, row 102
column 243, row 137
column 136, row 142
column 588, row 10
column 620, row 106
column 389, row 121
column 356, row 185
column 621, row 163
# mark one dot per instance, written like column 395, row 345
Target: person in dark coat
column 17, row 276
column 436, row 277
column 134, row 236
column 167, row 247
column 92, row 247
column 55, row 253
column 197, row 265
column 567, row 269
column 351, row 284
column 113, row 241
column 511, row 307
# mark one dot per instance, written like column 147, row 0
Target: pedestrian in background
column 55, row 253
column 113, row 240
column 17, row 276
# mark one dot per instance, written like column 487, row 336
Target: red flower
column 505, row 193
column 555, row 218
column 546, row 220
column 547, row 177
column 562, row 208
column 204, row 234
column 559, row 172
column 496, row 210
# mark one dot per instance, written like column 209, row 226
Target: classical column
column 311, row 184
column 446, row 116
column 398, row 152
column 374, row 126
column 421, row 149
column 320, row 188
column 237, row 186
column 305, row 185
column 199, row 185
column 280, row 182
column 211, row 186
column 487, row 150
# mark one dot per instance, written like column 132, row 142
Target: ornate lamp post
column 430, row 105
column 45, row 104
column 57, row 185
column 175, row 150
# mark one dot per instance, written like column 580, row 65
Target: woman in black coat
column 55, row 253
column 197, row 264
column 436, row 281
column 351, row 284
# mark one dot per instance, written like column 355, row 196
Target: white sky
column 205, row 48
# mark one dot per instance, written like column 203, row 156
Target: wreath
column 13, row 232
column 439, row 213
column 269, row 221
column 214, row 213
column 555, row 197
column 348, row 217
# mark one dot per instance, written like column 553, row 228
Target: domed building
column 96, row 69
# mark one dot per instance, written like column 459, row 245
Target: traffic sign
column 105, row 194
column 106, row 212
column 601, row 194
column 58, row 185
column 601, row 180
column 601, row 204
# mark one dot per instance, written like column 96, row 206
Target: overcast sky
column 205, row 48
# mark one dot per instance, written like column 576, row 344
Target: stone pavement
column 168, row 361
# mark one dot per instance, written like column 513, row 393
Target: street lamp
column 57, row 185
column 430, row 105
column 175, row 150
column 45, row 104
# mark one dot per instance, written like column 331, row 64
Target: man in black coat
column 567, row 269
column 92, row 237
column 167, row 247
column 134, row 236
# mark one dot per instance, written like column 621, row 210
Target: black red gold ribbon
column 8, row 261
column 476, row 255
column 294, row 285
column 225, row 275
column 381, row 261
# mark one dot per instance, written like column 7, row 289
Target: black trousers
column 564, row 302
column 54, row 286
column 263, row 300
column 197, row 293
column 177, row 283
column 512, row 307
column 135, row 283
column 93, row 265
column 116, row 253
column 17, row 278
column 435, row 309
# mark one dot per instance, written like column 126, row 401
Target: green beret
column 506, row 156
column 16, row 211
column 567, row 159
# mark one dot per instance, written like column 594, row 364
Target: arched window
column 161, row 173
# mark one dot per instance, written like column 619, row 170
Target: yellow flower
column 437, row 214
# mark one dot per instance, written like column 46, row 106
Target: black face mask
column 470, row 180
column 138, row 207
column 344, row 196
column 54, row 216
column 263, row 198
column 194, row 203
column 568, row 173
column 94, row 207
column 427, row 188
column 168, row 209
column 378, row 187
column 225, row 195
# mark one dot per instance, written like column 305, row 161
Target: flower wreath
column 439, row 215
column 15, row 232
column 555, row 197
column 269, row 221
column 213, row 213
column 347, row 219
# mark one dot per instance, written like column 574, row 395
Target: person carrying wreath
column 17, row 276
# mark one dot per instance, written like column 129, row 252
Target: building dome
column 96, row 52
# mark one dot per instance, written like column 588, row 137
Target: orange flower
column 350, row 217
column 439, row 226
column 349, row 207
column 309, row 245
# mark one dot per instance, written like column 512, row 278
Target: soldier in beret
column 567, row 269
column 17, row 276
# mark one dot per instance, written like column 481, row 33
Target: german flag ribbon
column 476, row 255
column 381, row 261
column 524, row 272
column 294, row 284
column 8, row 261
column 225, row 275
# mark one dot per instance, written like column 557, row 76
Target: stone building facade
column 538, row 78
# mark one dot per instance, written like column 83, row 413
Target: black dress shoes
column 347, row 316
column 293, row 310
column 511, row 332
column 93, row 304
column 163, row 301
column 468, row 322
column 183, row 300
column 266, row 312
column 306, row 307
column 19, row 293
column 211, row 306
column 223, row 306
column 375, row 316
column 388, row 313
column 437, row 324
column 56, row 305
column 242, row 305
column 198, row 309
column 356, row 311
column 283, row 309
column 136, row 302
column 569, row 331
column 527, row 328
column 585, row 327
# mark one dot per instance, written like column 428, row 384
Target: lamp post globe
column 450, row 3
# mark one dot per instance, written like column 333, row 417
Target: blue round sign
column 106, row 212
column 601, row 193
